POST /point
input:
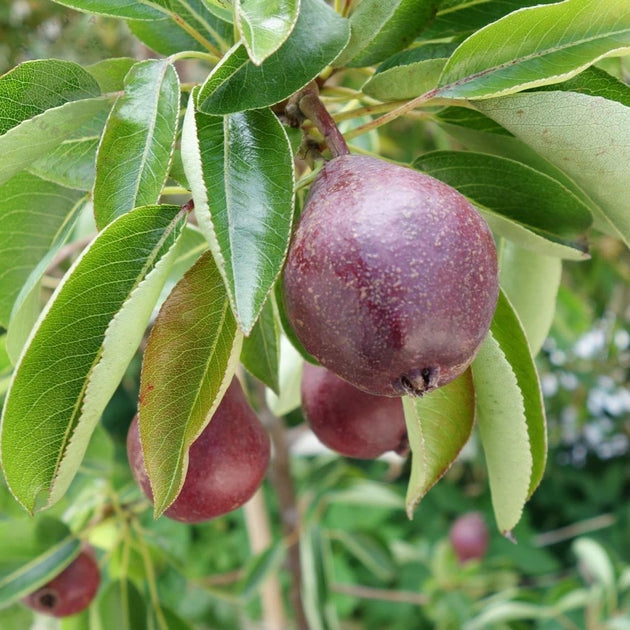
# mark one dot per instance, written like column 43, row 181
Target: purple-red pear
column 391, row 279
column 469, row 537
column 348, row 420
column 71, row 591
column 227, row 462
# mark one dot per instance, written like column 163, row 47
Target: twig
column 575, row 529
column 368, row 592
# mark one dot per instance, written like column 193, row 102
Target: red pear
column 469, row 537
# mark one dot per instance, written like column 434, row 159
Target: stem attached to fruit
column 311, row 106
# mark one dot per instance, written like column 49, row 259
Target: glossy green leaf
column 28, row 303
column 136, row 148
column 531, row 283
column 110, row 73
column 134, row 9
column 244, row 206
column 515, row 191
column 510, row 416
column 318, row 37
column 438, row 426
column 35, row 137
column 470, row 119
column 261, row 350
column 35, row 86
column 121, row 606
column 38, row 571
column 409, row 73
column 44, row 209
column 72, row 163
column 188, row 364
column 380, row 29
column 79, row 350
column 585, row 136
column 265, row 25
column 536, row 46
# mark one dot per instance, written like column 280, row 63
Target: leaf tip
column 509, row 534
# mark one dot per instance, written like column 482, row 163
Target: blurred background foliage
column 365, row 565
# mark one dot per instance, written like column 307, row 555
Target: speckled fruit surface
column 391, row 280
column 348, row 420
column 227, row 462
column 71, row 591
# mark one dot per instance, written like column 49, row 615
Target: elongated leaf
column 370, row 551
column 34, row 213
column 515, row 191
column 121, row 606
column 35, row 86
column 188, row 364
column 134, row 9
column 536, row 46
column 27, row 305
column 261, row 350
column 72, row 163
column 35, row 137
column 110, row 73
column 265, row 25
column 318, row 37
column 586, row 136
column 510, row 416
column 38, row 571
column 137, row 145
column 531, row 283
column 379, row 29
column 78, row 352
column 260, row 568
column 409, row 73
column 438, row 425
column 244, row 207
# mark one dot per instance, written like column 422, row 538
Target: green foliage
column 164, row 192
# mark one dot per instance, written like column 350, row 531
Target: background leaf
column 265, row 25
column 188, row 364
column 515, row 191
column 536, row 46
column 80, row 349
column 318, row 37
column 135, row 9
column 531, row 283
column 121, row 606
column 438, row 425
column 379, row 29
column 47, row 209
column 248, row 223
column 261, row 350
column 583, row 135
column 136, row 148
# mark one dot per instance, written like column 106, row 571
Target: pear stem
column 312, row 107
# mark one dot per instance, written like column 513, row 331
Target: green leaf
column 35, row 86
column 79, row 350
column 72, row 163
column 510, row 416
column 379, row 29
column 110, row 73
column 438, row 426
column 409, row 73
column 370, row 551
column 5, row 362
column 531, row 283
column 134, row 9
column 188, row 364
column 137, row 145
column 121, row 606
column 318, row 37
column 35, row 137
column 260, row 568
column 536, row 46
column 261, row 350
column 265, row 25
column 515, row 191
column 34, row 215
column 248, row 224
column 39, row 571
column 470, row 119
column 585, row 136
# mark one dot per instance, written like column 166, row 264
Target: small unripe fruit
column 71, row 591
column 391, row 279
column 469, row 537
column 348, row 420
column 227, row 462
